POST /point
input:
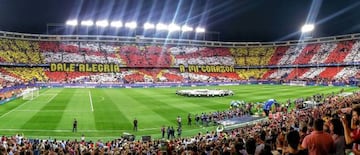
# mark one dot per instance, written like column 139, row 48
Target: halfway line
column 91, row 104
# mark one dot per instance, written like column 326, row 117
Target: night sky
column 234, row 20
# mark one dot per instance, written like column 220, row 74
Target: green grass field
column 51, row 114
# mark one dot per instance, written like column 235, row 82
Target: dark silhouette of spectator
column 250, row 146
column 293, row 139
column 337, row 133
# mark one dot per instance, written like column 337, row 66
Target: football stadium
column 93, row 86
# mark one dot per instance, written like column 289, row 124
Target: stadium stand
column 296, row 73
column 340, row 52
column 33, row 52
column 294, row 122
column 306, row 54
column 28, row 74
column 25, row 61
column 251, row 73
column 257, row 56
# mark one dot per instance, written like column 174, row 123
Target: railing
column 168, row 41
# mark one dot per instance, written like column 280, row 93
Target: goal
column 30, row 93
column 297, row 83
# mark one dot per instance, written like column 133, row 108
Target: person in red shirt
column 352, row 133
column 318, row 142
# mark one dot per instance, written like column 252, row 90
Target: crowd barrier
column 175, row 84
column 8, row 100
column 344, row 64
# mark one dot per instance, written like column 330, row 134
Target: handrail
column 169, row 41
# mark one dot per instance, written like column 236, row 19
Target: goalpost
column 297, row 83
column 30, row 93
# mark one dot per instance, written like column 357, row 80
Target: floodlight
column 200, row 30
column 161, row 26
column 149, row 26
column 307, row 28
column 102, row 23
column 174, row 27
column 186, row 28
column 131, row 25
column 72, row 22
column 116, row 24
column 87, row 23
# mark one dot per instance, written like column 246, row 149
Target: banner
column 206, row 68
column 75, row 67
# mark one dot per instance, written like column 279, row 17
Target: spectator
column 318, row 142
column 261, row 143
column 266, row 150
column 352, row 134
column 337, row 133
column 250, row 146
column 293, row 139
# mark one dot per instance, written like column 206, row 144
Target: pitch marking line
column 91, row 102
column 18, row 107
column 54, row 95
column 28, row 110
column 2, row 116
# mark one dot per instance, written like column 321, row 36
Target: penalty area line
column 91, row 102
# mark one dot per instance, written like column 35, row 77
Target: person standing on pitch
column 189, row 119
column 163, row 132
column 135, row 124
column 178, row 119
column 74, row 125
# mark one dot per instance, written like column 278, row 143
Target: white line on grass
column 91, row 103
column 16, row 109
column 29, row 110
column 51, row 98
column 48, row 94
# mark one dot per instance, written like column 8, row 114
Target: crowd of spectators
column 127, row 55
column 202, row 56
column 30, row 52
column 255, row 56
column 18, row 51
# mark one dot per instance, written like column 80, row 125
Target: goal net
column 30, row 93
column 297, row 83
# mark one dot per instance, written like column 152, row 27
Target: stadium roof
column 235, row 20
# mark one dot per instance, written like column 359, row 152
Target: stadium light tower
column 102, row 23
column 186, row 28
column 161, row 26
column 116, row 24
column 173, row 27
column 200, row 30
column 148, row 26
column 87, row 23
column 307, row 28
column 72, row 22
column 131, row 25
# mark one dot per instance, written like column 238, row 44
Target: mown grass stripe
column 106, row 119
column 51, row 120
column 114, row 109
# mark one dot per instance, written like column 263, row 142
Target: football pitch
column 107, row 113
